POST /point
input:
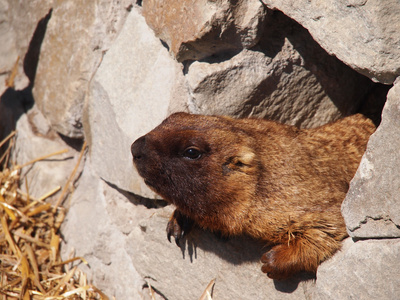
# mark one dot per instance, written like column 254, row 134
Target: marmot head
column 202, row 164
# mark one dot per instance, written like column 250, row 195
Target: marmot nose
column 137, row 148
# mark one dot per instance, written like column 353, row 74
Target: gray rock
column 18, row 22
column 363, row 34
column 287, row 78
column 8, row 49
column 35, row 139
column 26, row 18
column 89, row 232
column 197, row 29
column 372, row 206
column 363, row 270
column 67, row 63
column 129, row 95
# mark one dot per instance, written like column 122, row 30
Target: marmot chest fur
column 274, row 182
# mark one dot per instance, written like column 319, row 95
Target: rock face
column 8, row 52
column 287, row 78
column 99, row 240
column 107, row 72
column 68, row 63
column 18, row 57
column 128, row 96
column 346, row 274
column 34, row 133
column 197, row 29
column 371, row 208
column 364, row 34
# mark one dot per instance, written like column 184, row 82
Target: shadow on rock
column 291, row 284
column 14, row 103
column 236, row 250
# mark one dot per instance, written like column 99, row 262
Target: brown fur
column 274, row 182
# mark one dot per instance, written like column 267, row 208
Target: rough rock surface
column 34, row 133
column 129, row 95
column 197, row 29
column 18, row 24
column 8, row 50
column 88, row 232
column 362, row 270
column 287, row 78
column 68, row 63
column 364, row 34
column 372, row 206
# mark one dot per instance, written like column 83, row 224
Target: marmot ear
column 244, row 161
column 245, row 157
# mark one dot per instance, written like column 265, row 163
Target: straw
column 31, row 266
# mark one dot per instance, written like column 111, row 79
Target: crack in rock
column 377, row 227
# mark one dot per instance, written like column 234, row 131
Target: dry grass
column 207, row 294
column 30, row 263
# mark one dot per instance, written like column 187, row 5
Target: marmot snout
column 274, row 182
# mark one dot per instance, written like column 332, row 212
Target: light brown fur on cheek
column 271, row 181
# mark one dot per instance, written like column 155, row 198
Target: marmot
column 274, row 182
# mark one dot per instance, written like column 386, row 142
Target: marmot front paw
column 178, row 226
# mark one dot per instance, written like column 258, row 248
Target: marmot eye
column 192, row 153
